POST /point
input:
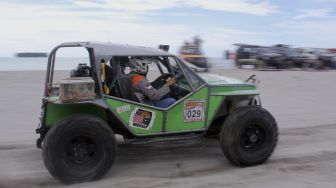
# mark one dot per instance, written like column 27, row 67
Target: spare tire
column 79, row 148
column 249, row 136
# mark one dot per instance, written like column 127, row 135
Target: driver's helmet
column 140, row 65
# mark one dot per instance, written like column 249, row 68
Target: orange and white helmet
column 140, row 65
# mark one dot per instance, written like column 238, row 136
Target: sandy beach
column 303, row 103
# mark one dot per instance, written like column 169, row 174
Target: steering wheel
column 161, row 80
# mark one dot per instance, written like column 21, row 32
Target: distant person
column 197, row 41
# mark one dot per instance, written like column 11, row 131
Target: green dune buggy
column 82, row 113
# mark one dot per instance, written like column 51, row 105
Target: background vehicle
column 246, row 55
column 295, row 58
column 260, row 56
column 283, row 57
column 326, row 57
column 192, row 53
column 81, row 115
column 269, row 57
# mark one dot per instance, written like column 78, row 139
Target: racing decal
column 142, row 118
column 193, row 110
column 125, row 108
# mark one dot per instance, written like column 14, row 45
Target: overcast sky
column 39, row 25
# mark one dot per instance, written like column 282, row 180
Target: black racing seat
column 109, row 75
column 124, row 62
column 111, row 79
column 120, row 84
column 125, row 86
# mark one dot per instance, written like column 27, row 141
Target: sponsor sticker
column 142, row 118
column 193, row 110
column 125, row 108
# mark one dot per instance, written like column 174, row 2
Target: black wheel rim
column 80, row 150
column 253, row 137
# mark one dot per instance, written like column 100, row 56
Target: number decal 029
column 193, row 110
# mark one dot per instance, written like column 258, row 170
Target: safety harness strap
column 106, row 89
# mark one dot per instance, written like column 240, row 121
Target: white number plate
column 193, row 110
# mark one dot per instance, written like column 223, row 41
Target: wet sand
column 303, row 102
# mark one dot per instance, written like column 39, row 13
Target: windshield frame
column 180, row 62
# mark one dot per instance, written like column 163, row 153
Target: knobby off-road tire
column 79, row 148
column 249, row 136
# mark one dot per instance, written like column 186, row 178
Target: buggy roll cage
column 51, row 65
column 95, row 68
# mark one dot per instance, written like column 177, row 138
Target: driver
column 143, row 88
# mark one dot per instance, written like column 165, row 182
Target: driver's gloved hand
column 171, row 82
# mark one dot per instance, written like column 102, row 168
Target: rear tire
column 79, row 148
column 249, row 136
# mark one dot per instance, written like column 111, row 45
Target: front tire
column 249, row 136
column 79, row 148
